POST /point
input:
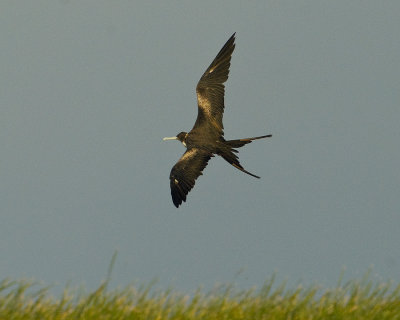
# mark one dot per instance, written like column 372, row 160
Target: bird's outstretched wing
column 210, row 90
column 185, row 172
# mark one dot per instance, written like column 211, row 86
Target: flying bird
column 207, row 135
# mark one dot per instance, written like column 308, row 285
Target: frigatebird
column 207, row 135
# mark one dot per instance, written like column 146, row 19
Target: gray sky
column 88, row 89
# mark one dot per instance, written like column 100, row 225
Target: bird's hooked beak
column 170, row 138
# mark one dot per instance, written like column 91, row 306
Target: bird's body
column 207, row 135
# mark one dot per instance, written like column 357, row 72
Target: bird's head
column 180, row 136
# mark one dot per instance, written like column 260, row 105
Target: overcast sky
column 88, row 89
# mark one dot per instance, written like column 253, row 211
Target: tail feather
column 233, row 159
column 243, row 170
column 227, row 150
column 241, row 142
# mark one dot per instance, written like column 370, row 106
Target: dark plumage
column 207, row 135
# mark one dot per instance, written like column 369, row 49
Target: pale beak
column 170, row 138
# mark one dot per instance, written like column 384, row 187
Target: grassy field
column 358, row 299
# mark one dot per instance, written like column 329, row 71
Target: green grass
column 357, row 299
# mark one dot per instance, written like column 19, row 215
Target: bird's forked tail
column 228, row 152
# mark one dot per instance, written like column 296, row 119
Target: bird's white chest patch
column 184, row 143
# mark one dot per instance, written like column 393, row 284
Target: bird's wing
column 210, row 90
column 185, row 172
